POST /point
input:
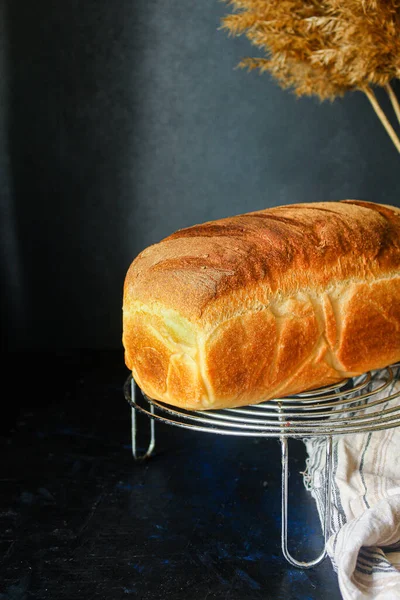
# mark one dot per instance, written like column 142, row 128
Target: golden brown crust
column 265, row 304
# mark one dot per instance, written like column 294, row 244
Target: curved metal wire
column 349, row 406
column 284, row 510
column 365, row 405
column 137, row 455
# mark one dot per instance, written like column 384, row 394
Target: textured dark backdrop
column 123, row 121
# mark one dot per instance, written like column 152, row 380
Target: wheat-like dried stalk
column 393, row 100
column 324, row 47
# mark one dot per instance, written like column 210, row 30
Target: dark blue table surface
column 79, row 518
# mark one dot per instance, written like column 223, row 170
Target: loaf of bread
column 265, row 304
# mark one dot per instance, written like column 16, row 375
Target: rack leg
column 327, row 507
column 152, row 443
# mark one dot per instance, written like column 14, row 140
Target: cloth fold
column 364, row 542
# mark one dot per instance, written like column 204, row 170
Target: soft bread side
column 263, row 305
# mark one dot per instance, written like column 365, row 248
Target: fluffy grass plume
column 324, row 48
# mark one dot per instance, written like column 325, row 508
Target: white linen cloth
column 364, row 542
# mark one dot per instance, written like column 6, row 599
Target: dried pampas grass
column 324, row 47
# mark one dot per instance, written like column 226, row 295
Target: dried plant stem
column 384, row 120
column 393, row 100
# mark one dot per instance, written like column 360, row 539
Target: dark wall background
column 123, row 121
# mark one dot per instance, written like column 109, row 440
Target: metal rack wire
column 352, row 406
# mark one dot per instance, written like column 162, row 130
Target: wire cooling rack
column 364, row 404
